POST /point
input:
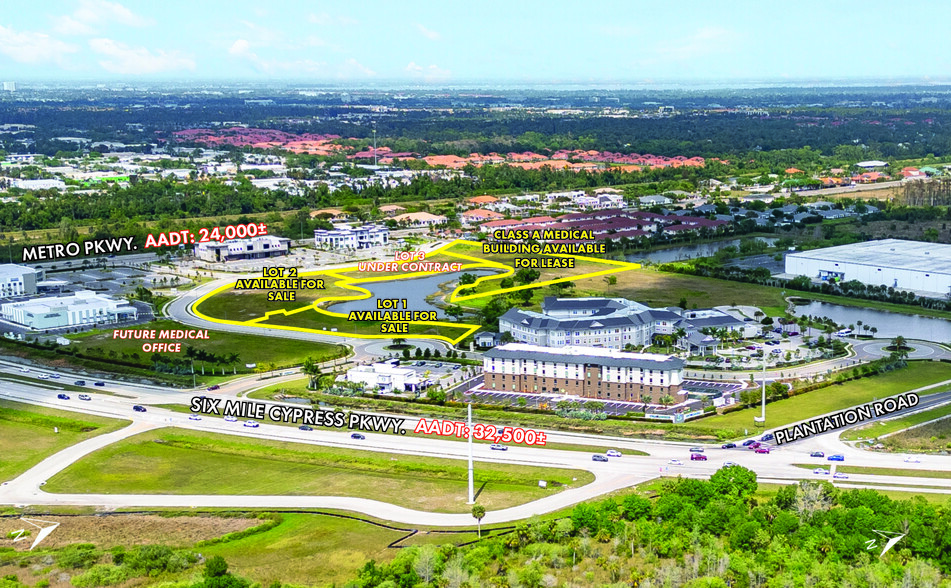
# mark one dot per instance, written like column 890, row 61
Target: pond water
column 414, row 291
column 889, row 324
column 690, row 251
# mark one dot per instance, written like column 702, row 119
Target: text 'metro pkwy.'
column 52, row 251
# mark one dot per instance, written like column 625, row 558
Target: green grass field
column 884, row 471
column 27, row 437
column 836, row 397
column 258, row 349
column 879, row 428
column 173, row 461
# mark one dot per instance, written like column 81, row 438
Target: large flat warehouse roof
column 887, row 253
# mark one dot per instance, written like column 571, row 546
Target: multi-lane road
column 615, row 474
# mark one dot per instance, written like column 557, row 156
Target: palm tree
column 478, row 511
column 666, row 400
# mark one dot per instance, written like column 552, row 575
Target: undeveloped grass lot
column 27, row 437
column 837, row 396
column 173, row 461
column 111, row 530
column 928, row 439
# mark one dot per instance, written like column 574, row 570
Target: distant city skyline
column 604, row 44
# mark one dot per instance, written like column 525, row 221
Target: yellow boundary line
column 350, row 283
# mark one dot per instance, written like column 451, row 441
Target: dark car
column 62, row 397
column 357, row 436
column 215, row 387
column 305, row 428
column 748, row 442
column 696, row 450
column 598, row 457
column 138, row 408
column 99, row 384
column 817, row 454
column 698, row 457
column 767, row 437
column 836, row 458
column 728, row 446
column 79, row 383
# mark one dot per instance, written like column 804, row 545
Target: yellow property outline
column 350, row 283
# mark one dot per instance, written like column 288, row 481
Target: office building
column 347, row 237
column 78, row 309
column 17, row 280
column 253, row 248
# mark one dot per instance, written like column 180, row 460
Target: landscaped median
column 175, row 461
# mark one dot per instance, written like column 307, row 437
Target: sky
column 451, row 42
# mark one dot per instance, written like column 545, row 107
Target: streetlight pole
column 471, row 492
column 374, row 147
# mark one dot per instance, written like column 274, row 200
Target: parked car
column 138, row 408
column 696, row 450
column 498, row 447
column 305, row 428
column 612, row 453
column 598, row 457
column 356, row 436
column 762, row 450
column 252, row 424
column 840, row 476
column 698, row 457
column 728, row 446
column 62, row 396
column 836, row 457
column 817, row 454
column 85, row 397
column 820, row 471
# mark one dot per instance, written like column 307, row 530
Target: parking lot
column 549, row 402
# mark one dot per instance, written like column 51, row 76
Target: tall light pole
column 471, row 492
column 762, row 418
column 374, row 146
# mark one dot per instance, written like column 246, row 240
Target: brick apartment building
column 587, row 372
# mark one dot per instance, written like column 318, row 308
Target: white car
column 840, row 476
column 912, row 459
column 85, row 397
column 194, row 417
column 24, row 369
column 44, row 376
column 675, row 462
column 821, row 471
column 54, row 376
column 231, row 419
column 498, row 447
column 727, row 464
column 612, row 453
column 252, row 424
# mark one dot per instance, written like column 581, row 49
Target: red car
column 756, row 445
column 698, row 457
column 762, row 450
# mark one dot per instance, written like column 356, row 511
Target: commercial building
column 587, row 372
column 348, row 237
column 615, row 323
column 81, row 308
column 17, row 280
column 895, row 263
column 386, row 377
column 253, row 248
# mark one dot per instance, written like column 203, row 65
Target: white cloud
column 352, row 68
column 32, row 47
column 122, row 59
column 91, row 15
column 431, row 73
column 431, row 35
column 324, row 19
column 241, row 49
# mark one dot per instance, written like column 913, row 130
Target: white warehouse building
column 81, row 308
column 895, row 263
column 386, row 377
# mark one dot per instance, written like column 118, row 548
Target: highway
column 610, row 476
